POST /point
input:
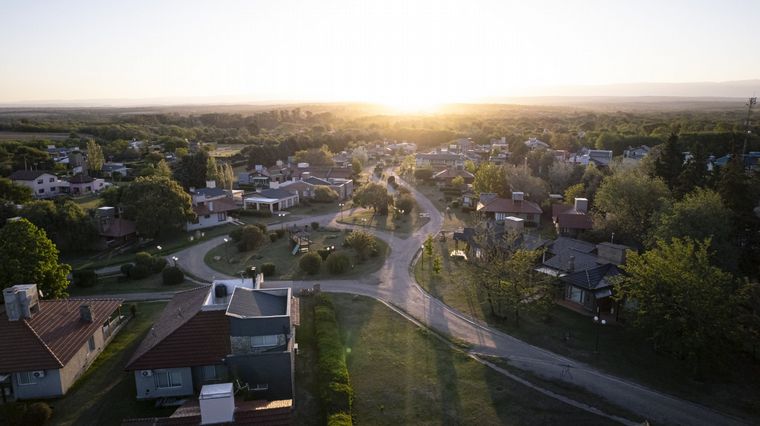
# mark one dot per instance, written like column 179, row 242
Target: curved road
column 395, row 284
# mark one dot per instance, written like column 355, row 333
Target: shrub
column 254, row 213
column 133, row 309
column 84, row 278
column 144, row 258
column 455, row 203
column 423, row 174
column 139, row 272
column 314, row 225
column 159, row 263
column 337, row 263
column 125, row 268
column 339, row 419
column 273, row 237
column 362, row 242
column 325, row 194
column 280, row 233
column 268, row 269
column 172, row 275
column 38, row 414
column 251, row 238
column 310, row 263
column 323, row 253
column 236, row 234
column 335, row 388
column 402, row 190
column 406, row 203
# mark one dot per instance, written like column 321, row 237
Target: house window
column 52, row 189
column 41, row 191
column 264, row 341
column 261, row 387
column 87, row 188
column 209, row 372
column 91, row 343
column 168, row 379
column 221, row 217
column 207, row 216
column 51, row 180
column 39, row 181
column 26, row 378
column 575, row 294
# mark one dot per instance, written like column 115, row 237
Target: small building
column 113, row 230
column 499, row 208
column 211, row 206
column 439, row 160
column 571, row 220
column 304, row 189
column 535, row 144
column 82, row 184
column 444, row 177
column 344, row 187
column 636, row 154
column 110, row 168
column 42, row 183
column 272, row 199
column 49, row 344
column 591, row 288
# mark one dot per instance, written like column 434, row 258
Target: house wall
column 82, row 360
column 273, row 369
column 50, row 189
column 259, row 326
column 207, row 222
column 45, row 387
column 147, row 389
column 199, row 379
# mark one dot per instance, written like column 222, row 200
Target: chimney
column 217, row 403
column 85, row 313
column 192, row 190
column 211, row 206
column 210, row 184
column 581, row 205
column 21, row 301
column 518, row 196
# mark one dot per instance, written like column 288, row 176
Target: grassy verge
column 404, row 375
column 402, row 227
column 119, row 284
column 622, row 351
column 106, row 393
column 453, row 218
column 226, row 259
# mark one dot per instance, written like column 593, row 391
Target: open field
column 226, row 259
column 402, row 374
column 622, row 351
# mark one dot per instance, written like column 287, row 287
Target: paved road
column 395, row 285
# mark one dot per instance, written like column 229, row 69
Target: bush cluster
column 172, row 275
column 84, row 278
column 254, row 213
column 311, row 263
column 337, row 263
column 145, row 265
column 268, row 269
column 335, row 391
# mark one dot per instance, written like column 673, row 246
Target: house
column 234, row 330
column 259, row 178
column 322, row 172
column 591, row 288
column 439, row 160
column 82, row 184
column 534, row 144
column 636, row 154
column 273, row 199
column 110, row 168
column 498, row 208
column 211, row 206
column 344, row 187
column 304, row 189
column 49, row 344
column 113, row 230
column 444, row 177
column 600, row 157
column 571, row 220
column 469, row 199
column 43, row 184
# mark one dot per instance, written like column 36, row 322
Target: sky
column 407, row 53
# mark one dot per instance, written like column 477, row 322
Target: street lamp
column 175, row 259
column 340, row 205
column 226, row 250
column 159, row 248
column 601, row 323
column 422, row 255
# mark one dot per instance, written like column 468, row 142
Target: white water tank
column 217, row 404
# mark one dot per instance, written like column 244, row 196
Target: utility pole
column 752, row 101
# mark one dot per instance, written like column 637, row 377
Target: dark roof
column 80, row 178
column 28, row 174
column 594, row 278
column 313, row 180
column 440, row 156
column 272, row 413
column 575, row 221
column 210, row 192
column 563, row 244
column 119, row 228
column 54, row 334
column 452, row 173
column 327, row 172
column 276, row 193
column 248, row 303
column 569, row 261
column 507, row 205
column 221, row 205
column 184, row 335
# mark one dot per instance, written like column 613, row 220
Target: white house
column 272, row 200
column 43, row 184
column 211, row 206
column 81, row 184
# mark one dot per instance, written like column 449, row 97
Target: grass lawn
column 88, row 202
column 106, row 393
column 403, row 226
column 454, row 218
column 303, row 211
column 622, row 351
column 119, row 284
column 286, row 264
column 405, row 375
column 168, row 245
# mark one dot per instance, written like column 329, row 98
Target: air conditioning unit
column 146, row 373
column 38, row 374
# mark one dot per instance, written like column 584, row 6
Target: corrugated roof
column 184, row 335
column 53, row 335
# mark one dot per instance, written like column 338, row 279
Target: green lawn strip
column 303, row 211
column 308, row 405
column 622, row 350
column 226, row 259
column 402, row 374
column 402, row 227
column 120, row 284
column 88, row 202
column 168, row 245
column 106, row 393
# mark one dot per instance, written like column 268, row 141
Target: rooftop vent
column 85, row 313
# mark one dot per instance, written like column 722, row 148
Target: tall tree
column 669, row 163
column 67, row 224
column 212, row 169
column 95, row 159
column 316, row 156
column 30, row 257
column 163, row 170
column 190, row 171
column 375, row 196
column 491, row 178
column 694, row 173
column 682, row 301
column 157, row 205
column 14, row 193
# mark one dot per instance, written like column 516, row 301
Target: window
column 51, row 180
column 41, row 191
column 26, row 378
column 207, row 216
column 40, row 181
column 221, row 217
column 264, row 341
column 575, row 294
column 261, row 387
column 168, row 379
column 52, row 189
column 209, row 372
column 91, row 343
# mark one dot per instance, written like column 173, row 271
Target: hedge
column 84, row 278
column 172, row 275
column 335, row 390
column 310, row 263
column 337, row 263
column 268, row 269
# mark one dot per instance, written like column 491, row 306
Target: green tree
column 693, row 175
column 325, row 194
column 251, row 237
column 491, row 178
column 315, row 156
column 560, row 177
column 162, row 169
column 212, row 169
column 519, row 287
column 362, row 242
column 157, row 205
column 457, row 182
column 373, row 195
column 682, row 302
column 573, row 192
column 470, row 166
column 95, row 159
column 356, row 166
column 423, row 173
column 428, row 245
column 13, row 192
column 629, row 199
column 67, row 224
column 437, row 264
column 190, row 170
column 669, row 162
column 521, row 180
column 30, row 257
column 406, row 203
column 310, row 263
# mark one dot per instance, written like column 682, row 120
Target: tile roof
column 221, row 205
column 506, row 205
column 184, row 335
column 592, row 279
column 575, row 221
column 210, row 192
column 272, row 413
column 569, row 261
column 313, row 180
column 119, row 228
column 562, row 244
column 53, row 335
column 28, row 174
column 275, row 193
